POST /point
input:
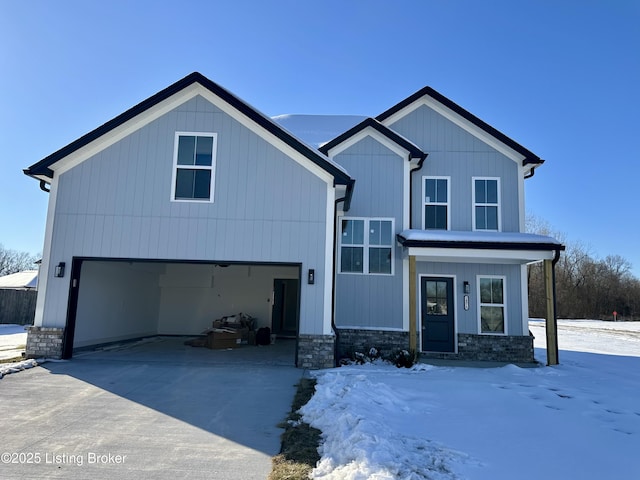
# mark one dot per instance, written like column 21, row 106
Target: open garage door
column 114, row 300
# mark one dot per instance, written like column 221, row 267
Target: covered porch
column 489, row 248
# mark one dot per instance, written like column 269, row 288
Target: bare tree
column 12, row 261
column 586, row 287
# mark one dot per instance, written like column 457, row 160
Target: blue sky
column 560, row 77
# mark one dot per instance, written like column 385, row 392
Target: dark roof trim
column 414, row 151
column 465, row 244
column 529, row 157
column 41, row 168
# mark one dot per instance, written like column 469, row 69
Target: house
column 406, row 231
column 24, row 280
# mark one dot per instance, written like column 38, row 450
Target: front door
column 437, row 314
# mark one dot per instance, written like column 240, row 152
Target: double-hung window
column 194, row 165
column 486, row 204
column 492, row 304
column 366, row 246
column 436, row 195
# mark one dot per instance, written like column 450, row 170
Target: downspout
column 531, row 173
column 347, row 200
column 412, row 263
column 415, row 169
column 43, row 186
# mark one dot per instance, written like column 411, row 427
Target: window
column 366, row 246
column 492, row 304
column 194, row 167
column 486, row 206
column 436, row 203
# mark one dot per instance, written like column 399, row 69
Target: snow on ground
column 580, row 419
column 13, row 338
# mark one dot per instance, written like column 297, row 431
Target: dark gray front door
column 437, row 314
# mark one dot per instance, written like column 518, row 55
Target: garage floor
column 156, row 409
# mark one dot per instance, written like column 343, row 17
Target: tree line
column 586, row 286
column 13, row 261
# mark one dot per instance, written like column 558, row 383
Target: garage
column 115, row 300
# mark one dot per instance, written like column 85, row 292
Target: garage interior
column 123, row 300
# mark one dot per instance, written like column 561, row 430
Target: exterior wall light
column 467, row 288
column 311, row 277
column 60, row 270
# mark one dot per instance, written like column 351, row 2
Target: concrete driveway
column 156, row 410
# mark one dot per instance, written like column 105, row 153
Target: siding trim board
column 430, row 97
column 371, row 126
column 160, row 103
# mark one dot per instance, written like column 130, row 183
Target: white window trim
column 212, row 168
column 474, row 204
column 503, row 304
column 366, row 246
column 424, row 203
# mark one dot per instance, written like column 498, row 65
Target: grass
column 299, row 451
column 12, row 360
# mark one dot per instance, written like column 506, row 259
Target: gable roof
column 414, row 151
column 42, row 168
column 27, row 279
column 530, row 158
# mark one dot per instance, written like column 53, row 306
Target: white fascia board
column 267, row 136
column 161, row 108
column 376, row 135
column 459, row 121
column 478, row 255
column 43, row 274
column 121, row 131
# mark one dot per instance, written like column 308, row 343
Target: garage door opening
column 115, row 300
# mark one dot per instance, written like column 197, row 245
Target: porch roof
column 479, row 247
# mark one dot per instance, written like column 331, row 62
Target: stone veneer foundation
column 316, row 351
column 490, row 348
column 44, row 342
column 495, row 348
column 385, row 341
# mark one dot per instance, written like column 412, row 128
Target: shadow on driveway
column 169, row 410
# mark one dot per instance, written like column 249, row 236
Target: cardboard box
column 222, row 338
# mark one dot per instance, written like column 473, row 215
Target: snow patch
column 579, row 419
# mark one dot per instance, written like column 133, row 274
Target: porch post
column 413, row 343
column 551, row 322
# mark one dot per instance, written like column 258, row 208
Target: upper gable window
column 194, row 165
column 436, row 203
column 486, row 204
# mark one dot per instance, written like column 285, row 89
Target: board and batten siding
column 267, row 207
column 467, row 320
column 455, row 153
column 373, row 301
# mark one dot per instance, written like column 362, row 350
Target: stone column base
column 496, row 348
column 316, row 351
column 44, row 342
